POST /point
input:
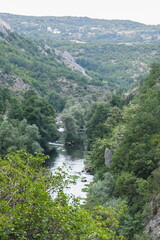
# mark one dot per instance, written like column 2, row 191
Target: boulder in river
column 88, row 169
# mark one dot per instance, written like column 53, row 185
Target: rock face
column 153, row 227
column 5, row 27
column 12, row 82
column 108, row 157
column 69, row 60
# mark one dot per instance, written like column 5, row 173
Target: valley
column 100, row 79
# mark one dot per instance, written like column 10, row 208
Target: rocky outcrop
column 69, row 60
column 108, row 157
column 5, row 27
column 13, row 82
column 153, row 226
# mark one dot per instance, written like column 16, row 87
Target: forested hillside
column 33, row 85
column 83, row 29
column 84, row 85
column 113, row 52
column 131, row 132
column 120, row 66
column 21, row 67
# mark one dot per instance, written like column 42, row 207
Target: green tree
column 71, row 129
column 37, row 111
column 8, row 136
column 20, row 136
column 96, row 122
column 28, row 212
column 28, row 138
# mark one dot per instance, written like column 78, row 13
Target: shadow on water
column 71, row 158
column 50, row 162
column 75, row 152
column 61, row 151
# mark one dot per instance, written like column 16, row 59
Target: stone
column 5, row 27
column 108, row 157
column 153, row 226
column 69, row 60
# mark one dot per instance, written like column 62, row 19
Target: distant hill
column 83, row 29
column 111, row 53
column 25, row 65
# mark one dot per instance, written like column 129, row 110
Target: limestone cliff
column 5, row 27
column 69, row 60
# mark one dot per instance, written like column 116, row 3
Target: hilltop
column 83, row 29
column 113, row 53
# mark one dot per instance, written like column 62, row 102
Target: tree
column 28, row 212
column 8, row 136
column 37, row 111
column 29, row 137
column 21, row 136
column 96, row 122
column 71, row 129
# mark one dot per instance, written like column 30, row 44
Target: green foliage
column 38, row 111
column 138, row 143
column 32, row 134
column 8, row 136
column 152, row 79
column 71, row 129
column 28, row 212
column 74, row 122
column 101, row 192
column 134, row 138
column 21, row 136
column 96, row 158
column 120, row 66
column 132, row 226
column 27, row 122
column 4, row 98
column 96, row 127
column 25, row 65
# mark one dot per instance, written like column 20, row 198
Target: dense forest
column 104, row 106
column 131, row 131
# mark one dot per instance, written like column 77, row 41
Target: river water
column 72, row 161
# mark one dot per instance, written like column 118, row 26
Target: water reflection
column 73, row 159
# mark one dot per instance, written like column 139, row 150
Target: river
column 72, row 161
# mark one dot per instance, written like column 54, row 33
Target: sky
column 143, row 11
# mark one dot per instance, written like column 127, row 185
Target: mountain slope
column 25, row 65
column 113, row 52
column 83, row 29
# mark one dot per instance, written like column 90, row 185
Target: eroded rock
column 5, row 27
column 108, row 157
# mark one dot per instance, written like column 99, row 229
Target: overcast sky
column 144, row 11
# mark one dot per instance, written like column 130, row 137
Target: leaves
column 28, row 212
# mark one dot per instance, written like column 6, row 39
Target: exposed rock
column 153, row 227
column 69, row 60
column 158, row 81
column 133, row 91
column 12, row 82
column 88, row 169
column 83, row 180
column 42, row 51
column 5, row 27
column 20, row 85
column 108, row 157
column 69, row 144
